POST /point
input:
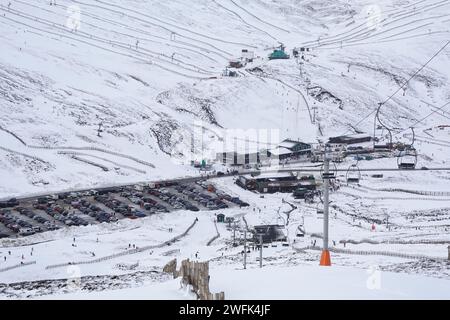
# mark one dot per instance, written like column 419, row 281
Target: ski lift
column 332, row 172
column 300, row 231
column 378, row 124
column 407, row 159
column 320, row 210
column 353, row 174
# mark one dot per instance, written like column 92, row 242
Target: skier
column 137, row 44
column 5, row 256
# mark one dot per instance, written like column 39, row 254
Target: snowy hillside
column 149, row 73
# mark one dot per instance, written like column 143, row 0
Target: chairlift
column 353, row 174
column 320, row 210
column 407, row 159
column 332, row 172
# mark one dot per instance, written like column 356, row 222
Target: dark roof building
column 351, row 139
column 290, row 148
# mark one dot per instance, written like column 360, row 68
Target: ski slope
column 150, row 74
column 97, row 92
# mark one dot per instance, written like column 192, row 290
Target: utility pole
column 260, row 249
column 234, row 234
column 99, row 130
column 245, row 249
column 325, row 260
column 314, row 114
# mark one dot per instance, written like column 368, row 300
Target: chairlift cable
column 402, row 86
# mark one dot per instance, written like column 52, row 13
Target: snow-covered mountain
column 149, row 74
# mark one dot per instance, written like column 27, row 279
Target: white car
column 26, row 232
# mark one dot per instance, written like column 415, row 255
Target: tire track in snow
column 106, row 49
column 125, row 46
column 24, row 155
column 385, row 22
column 160, row 21
column 94, row 164
column 243, row 20
column 139, row 37
column 103, row 159
column 259, row 19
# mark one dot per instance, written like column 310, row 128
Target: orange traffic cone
column 325, row 260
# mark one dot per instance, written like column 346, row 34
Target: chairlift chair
column 407, row 159
column 353, row 174
column 332, row 172
column 320, row 210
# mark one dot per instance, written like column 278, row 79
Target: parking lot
column 23, row 218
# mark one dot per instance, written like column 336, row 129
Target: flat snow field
column 291, row 283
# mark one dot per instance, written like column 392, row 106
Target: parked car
column 140, row 214
column 26, row 232
column 14, row 227
column 192, row 208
